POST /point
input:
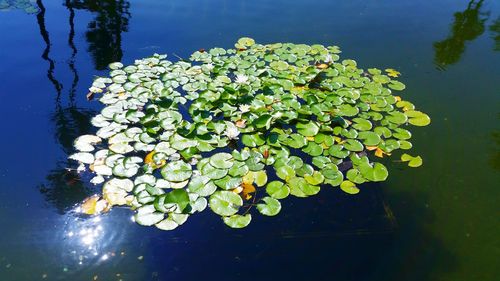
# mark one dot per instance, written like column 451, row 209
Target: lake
column 437, row 222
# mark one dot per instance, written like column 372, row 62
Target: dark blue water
column 438, row 222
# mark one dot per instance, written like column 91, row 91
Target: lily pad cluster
column 240, row 128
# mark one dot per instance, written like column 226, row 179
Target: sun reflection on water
column 91, row 240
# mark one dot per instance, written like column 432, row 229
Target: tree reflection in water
column 104, row 32
column 467, row 26
column 63, row 187
column 495, row 33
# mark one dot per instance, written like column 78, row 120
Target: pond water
column 438, row 222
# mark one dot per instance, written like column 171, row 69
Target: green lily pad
column 413, row 161
column 377, row 172
column 349, row 187
column 213, row 173
column 396, row 85
column 222, row 160
column 277, row 189
column 296, row 141
column 285, row 172
column 362, row 124
column 309, row 129
column 202, row 186
column 314, row 179
column 177, row 171
column 260, row 178
column 353, row 145
column 225, row 203
column 179, row 197
column 264, row 121
column 300, row 188
column 270, row 207
column 252, row 140
column 418, row 118
column 238, row 221
column 369, row 138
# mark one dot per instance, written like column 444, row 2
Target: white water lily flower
column 232, row 131
column 193, row 161
column 241, row 79
column 244, row 108
column 328, row 59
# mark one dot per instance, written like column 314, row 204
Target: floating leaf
column 238, row 221
column 177, row 171
column 349, row 187
column 300, row 188
column 277, row 189
column 418, row 118
column 222, row 160
column 270, row 207
column 412, row 161
column 308, row 129
column 392, row 72
column 225, row 203
column 264, row 121
column 179, row 197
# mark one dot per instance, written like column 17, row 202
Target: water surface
column 438, row 222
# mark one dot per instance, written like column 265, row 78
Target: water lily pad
column 260, row 178
column 222, row 160
column 264, row 121
column 377, row 172
column 369, row 138
column 353, row 145
column 213, row 173
column 308, row 129
column 252, row 140
column 179, row 197
column 277, row 189
column 413, row 161
column 83, row 157
column 285, row 172
column 314, row 179
column 238, row 221
column 300, row 188
column 418, row 118
column 167, row 224
column 225, row 203
column 296, row 141
column 349, row 187
column 202, row 186
column 177, row 171
column 270, row 207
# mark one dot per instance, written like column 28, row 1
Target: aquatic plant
column 241, row 127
